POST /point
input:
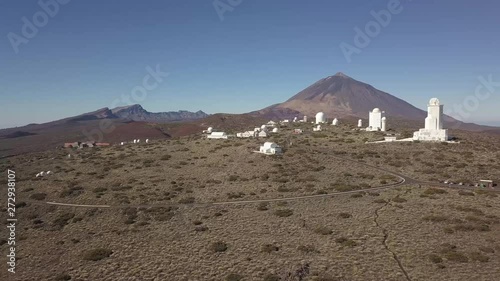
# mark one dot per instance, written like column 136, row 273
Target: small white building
column 305, row 119
column 275, row 130
column 247, row 134
column 320, row 118
column 295, row 119
column 390, row 138
column 217, row 135
column 271, row 123
column 270, row 148
column 335, row 122
column 433, row 130
column 317, row 128
column 360, row 123
column 262, row 134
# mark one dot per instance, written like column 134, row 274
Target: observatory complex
column 433, row 130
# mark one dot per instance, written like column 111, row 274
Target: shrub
column 357, row 195
column 435, row 258
column 38, row 196
column 269, row 248
column 307, row 249
column 435, row 218
column 271, row 277
column 72, row 191
column 187, row 200
column 487, row 250
column 97, row 254
column 63, row 219
column 234, row 277
column 283, row 213
column 398, row 199
column 456, row 256
column 345, row 215
column 233, row 178
column 201, row 228
column 477, row 256
column 62, row 277
column 346, row 242
column 263, row 206
column 433, row 191
column 166, row 157
column 380, row 201
column 218, row 247
column 465, row 193
column 323, row 230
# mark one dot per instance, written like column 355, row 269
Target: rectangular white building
column 433, row 130
column 217, row 135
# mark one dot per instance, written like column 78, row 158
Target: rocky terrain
column 331, row 208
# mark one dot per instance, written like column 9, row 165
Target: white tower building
column 375, row 120
column 320, row 118
column 360, row 123
column 433, row 130
column 305, row 119
column 384, row 124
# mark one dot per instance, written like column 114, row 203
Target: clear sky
column 90, row 53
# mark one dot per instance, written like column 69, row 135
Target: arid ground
column 331, row 208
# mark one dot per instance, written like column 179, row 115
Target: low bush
column 345, row 215
column 97, row 254
column 435, row 258
column 269, row 248
column 307, row 249
column 434, row 191
column 346, row 242
column 234, row 277
column 283, row 213
column 323, row 230
column 218, row 247
column 38, row 196
column 263, row 206
column 477, row 256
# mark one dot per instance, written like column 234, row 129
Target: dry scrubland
column 162, row 224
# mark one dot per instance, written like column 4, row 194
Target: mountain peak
column 340, row 74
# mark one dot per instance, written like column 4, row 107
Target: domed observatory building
column 320, row 118
column 375, row 120
column 433, row 130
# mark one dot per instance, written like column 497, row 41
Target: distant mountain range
column 137, row 113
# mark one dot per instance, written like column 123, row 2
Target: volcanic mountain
column 341, row 96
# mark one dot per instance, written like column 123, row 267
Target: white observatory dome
column 320, row 117
column 434, row 101
column 376, row 110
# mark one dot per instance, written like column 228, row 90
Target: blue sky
column 90, row 53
